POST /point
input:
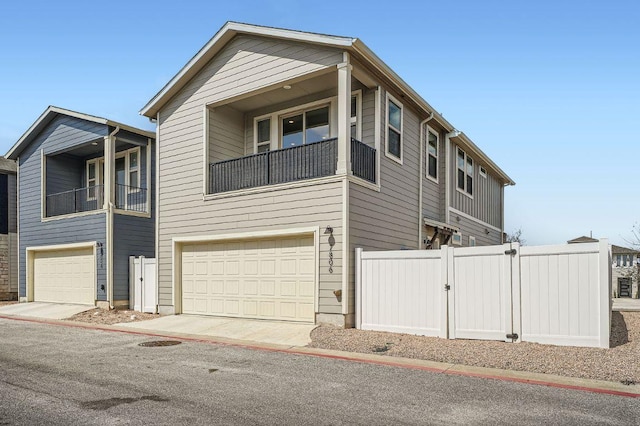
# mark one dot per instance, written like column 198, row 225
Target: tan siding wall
column 486, row 202
column 431, row 207
column 368, row 117
column 387, row 220
column 245, row 65
column 226, row 134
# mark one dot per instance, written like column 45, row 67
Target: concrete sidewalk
column 626, row 304
column 44, row 310
column 259, row 331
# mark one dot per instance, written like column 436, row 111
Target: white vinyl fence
column 142, row 284
column 547, row 294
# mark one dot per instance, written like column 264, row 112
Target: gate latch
column 447, row 287
column 512, row 252
column 513, row 336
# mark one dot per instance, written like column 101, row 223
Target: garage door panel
column 64, row 276
column 269, row 279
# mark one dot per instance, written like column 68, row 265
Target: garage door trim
column 177, row 243
column 31, row 252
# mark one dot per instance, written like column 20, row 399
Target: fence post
column 358, row 287
column 132, row 282
column 451, row 293
column 604, row 292
column 444, row 281
column 516, row 302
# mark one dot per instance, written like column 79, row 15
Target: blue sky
column 550, row 89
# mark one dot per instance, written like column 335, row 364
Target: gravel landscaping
column 620, row 363
column 114, row 316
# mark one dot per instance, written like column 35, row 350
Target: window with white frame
column 456, row 239
column 355, row 113
column 432, row 154
column 263, row 135
column 465, row 172
column 127, row 170
column 483, row 172
column 394, row 128
column 472, row 241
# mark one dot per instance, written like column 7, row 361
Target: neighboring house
column 8, row 231
column 625, row 268
column 282, row 151
column 625, row 271
column 86, row 199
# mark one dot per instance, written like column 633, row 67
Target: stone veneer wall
column 8, row 289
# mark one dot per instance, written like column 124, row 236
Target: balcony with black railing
column 75, row 201
column 91, row 198
column 314, row 160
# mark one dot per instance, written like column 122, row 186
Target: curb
column 540, row 379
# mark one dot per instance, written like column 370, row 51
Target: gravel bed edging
column 620, row 363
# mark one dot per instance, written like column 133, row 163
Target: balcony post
column 344, row 114
column 109, row 169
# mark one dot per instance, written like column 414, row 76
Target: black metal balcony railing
column 289, row 165
column 131, row 198
column 80, row 200
column 75, row 201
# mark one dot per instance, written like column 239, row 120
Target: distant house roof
column 7, row 166
column 353, row 45
column 583, row 239
column 52, row 112
column 623, row 250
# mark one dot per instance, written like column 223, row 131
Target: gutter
column 420, row 180
column 110, row 207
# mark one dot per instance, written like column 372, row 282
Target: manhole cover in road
column 157, row 343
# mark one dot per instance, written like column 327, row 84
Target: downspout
column 420, row 180
column 110, row 216
column 447, row 175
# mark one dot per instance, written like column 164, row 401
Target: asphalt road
column 58, row 375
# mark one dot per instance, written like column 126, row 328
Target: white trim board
column 475, row 219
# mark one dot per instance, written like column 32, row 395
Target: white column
column 344, row 115
column 109, row 170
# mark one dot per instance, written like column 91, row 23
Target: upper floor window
column 465, row 172
column 354, row 122
column 432, row 154
column 472, row 241
column 394, row 128
column 263, row 133
column 306, row 127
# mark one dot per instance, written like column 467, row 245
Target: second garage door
column 265, row 279
column 64, row 276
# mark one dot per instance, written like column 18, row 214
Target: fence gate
column 482, row 288
column 142, row 286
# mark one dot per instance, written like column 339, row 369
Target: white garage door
column 65, row 276
column 266, row 279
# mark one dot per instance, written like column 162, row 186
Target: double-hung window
column 394, row 128
column 432, row 154
column 134, row 169
column 263, row 133
column 355, row 112
column 465, row 172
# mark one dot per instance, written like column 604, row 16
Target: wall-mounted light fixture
column 486, row 231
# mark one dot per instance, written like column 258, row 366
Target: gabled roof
column 52, row 112
column 350, row 44
column 583, row 239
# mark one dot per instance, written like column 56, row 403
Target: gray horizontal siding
column 486, row 204
column 64, row 172
column 478, row 230
column 61, row 133
column 65, row 132
column 134, row 236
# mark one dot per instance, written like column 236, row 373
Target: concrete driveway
column 44, row 310
column 272, row 332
